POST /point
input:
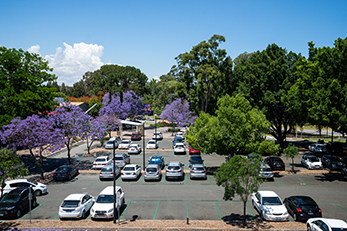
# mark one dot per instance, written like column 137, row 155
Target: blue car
column 65, row 172
column 158, row 160
column 177, row 139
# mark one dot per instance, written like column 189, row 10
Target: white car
column 76, row 206
column 103, row 206
column 134, row 149
column 317, row 148
column 180, row 134
column 131, row 172
column 179, row 148
column 265, row 171
column 152, row 144
column 125, row 144
column 157, row 136
column 39, row 188
column 270, row 206
column 325, row 224
column 311, row 162
column 109, row 144
column 101, row 161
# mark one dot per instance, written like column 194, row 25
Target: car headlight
column 268, row 212
column 285, row 213
column 8, row 208
column 109, row 211
column 42, row 187
column 92, row 210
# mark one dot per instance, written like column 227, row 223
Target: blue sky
column 80, row 36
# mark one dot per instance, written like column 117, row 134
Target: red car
column 192, row 151
column 135, row 136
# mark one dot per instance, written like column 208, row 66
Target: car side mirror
column 182, row 164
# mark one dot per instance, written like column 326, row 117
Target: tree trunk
column 68, row 151
column 38, row 163
column 244, row 213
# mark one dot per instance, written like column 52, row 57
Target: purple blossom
column 178, row 112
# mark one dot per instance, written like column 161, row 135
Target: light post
column 143, row 144
column 155, row 119
column 114, row 183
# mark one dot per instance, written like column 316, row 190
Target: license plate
column 59, row 174
column 1, row 214
column 278, row 218
column 310, row 213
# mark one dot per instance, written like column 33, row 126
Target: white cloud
column 71, row 63
column 34, row 49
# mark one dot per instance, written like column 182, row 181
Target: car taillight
column 203, row 171
column 192, row 171
column 299, row 210
column 104, row 164
column 137, row 149
column 53, row 175
column 134, row 173
column 100, row 173
column 167, row 171
column 64, row 174
column 123, row 160
column 157, row 173
column 122, row 173
column 179, row 170
column 320, row 211
column 145, row 173
column 111, row 173
column 128, row 148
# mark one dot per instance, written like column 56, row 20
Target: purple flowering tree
column 11, row 166
column 34, row 133
column 178, row 112
column 97, row 131
column 73, row 123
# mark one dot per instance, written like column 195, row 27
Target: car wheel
column 83, row 214
column 253, row 205
column 38, row 192
column 33, row 204
column 262, row 216
column 295, row 217
column 18, row 213
column 308, row 228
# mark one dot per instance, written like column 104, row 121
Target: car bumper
column 180, row 152
column 70, row 215
column 129, row 177
column 62, row 178
column 152, row 177
column 271, row 217
column 134, row 152
column 173, row 176
column 102, row 216
column 197, row 175
column 304, row 217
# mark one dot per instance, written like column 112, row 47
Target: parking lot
column 195, row 199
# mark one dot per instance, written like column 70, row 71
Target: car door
column 318, row 226
column 127, row 159
column 291, row 205
column 88, row 202
column 24, row 200
column 257, row 202
column 138, row 170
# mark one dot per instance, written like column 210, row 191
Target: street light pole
column 155, row 119
column 143, row 144
column 114, row 183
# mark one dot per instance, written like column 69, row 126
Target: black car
column 65, row 172
column 332, row 162
column 302, row 207
column 16, row 202
column 195, row 159
column 335, row 148
column 275, row 163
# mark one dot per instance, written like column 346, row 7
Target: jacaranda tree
column 97, row 130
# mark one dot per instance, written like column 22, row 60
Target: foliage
column 12, row 167
column 22, row 92
column 236, row 127
column 239, row 176
column 34, row 133
column 206, row 72
column 178, row 112
column 264, row 79
column 291, row 152
column 96, row 131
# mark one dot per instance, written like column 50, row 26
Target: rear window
column 173, row 167
column 62, row 169
column 179, row 146
column 198, row 169
column 125, row 142
column 118, row 158
column 151, row 170
column 100, row 160
column 151, row 142
column 306, row 201
column 313, row 159
column 70, row 204
column 155, row 159
column 129, row 169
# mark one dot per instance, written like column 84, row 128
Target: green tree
column 291, row 152
column 239, row 176
column 11, row 167
column 236, row 126
column 22, row 89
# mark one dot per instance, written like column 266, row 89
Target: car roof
column 151, row 140
column 17, row 180
column 267, row 193
column 336, row 223
column 99, row 157
column 120, row 154
column 156, row 157
column 125, row 140
column 309, row 155
column 108, row 166
column 152, row 166
column 75, row 196
column 130, row 165
column 174, row 163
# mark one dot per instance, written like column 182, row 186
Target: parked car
column 317, row 148
column 179, row 148
column 311, row 162
column 131, row 172
column 174, row 170
column 124, row 144
column 158, row 160
column 101, row 161
column 121, row 160
column 195, row 159
column 153, row 172
column 107, row 172
column 197, row 171
column 134, row 149
column 344, row 159
column 193, row 151
column 103, row 206
column 109, row 144
column 335, row 148
column 157, row 136
column 253, row 156
column 270, row 206
column 152, row 144
column 16, row 202
column 265, row 171
column 65, row 172
column 10, row 185
column 180, row 134
column 325, row 224
column 275, row 163
column 76, row 206
column 332, row 162
column 177, row 140
column 135, row 136
column 302, row 207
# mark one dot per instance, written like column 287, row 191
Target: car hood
column 103, row 206
column 6, row 205
column 275, row 208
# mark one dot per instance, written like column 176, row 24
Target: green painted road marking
column 89, row 217
column 73, row 161
column 75, row 179
column 249, row 210
column 95, row 181
column 33, row 210
column 156, row 210
column 118, row 179
column 56, row 217
column 143, row 176
column 187, row 210
column 209, row 180
column 172, row 153
column 125, row 210
column 341, row 207
column 299, row 179
column 278, row 180
column 220, row 215
column 186, row 181
column 163, row 178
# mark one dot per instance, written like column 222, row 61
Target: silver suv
column 152, row 172
column 121, row 160
column 197, row 171
column 107, row 172
column 174, row 170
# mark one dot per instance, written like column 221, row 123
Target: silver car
column 121, row 160
column 153, row 172
column 107, row 172
column 174, row 170
column 198, row 171
column 265, row 171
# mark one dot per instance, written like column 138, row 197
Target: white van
column 103, row 206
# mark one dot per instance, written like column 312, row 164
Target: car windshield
column 271, row 201
column 10, row 198
column 178, row 139
column 338, row 229
column 106, row 169
column 150, row 170
column 173, row 167
column 125, row 142
column 198, row 169
column 158, row 133
column 70, row 204
column 196, row 159
column 155, row 159
column 306, row 201
column 129, row 168
column 133, row 146
column 313, row 159
column 104, row 199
